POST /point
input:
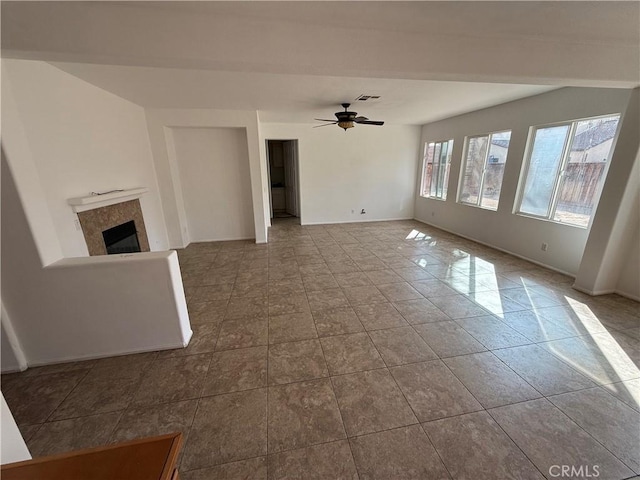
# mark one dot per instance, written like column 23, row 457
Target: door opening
column 284, row 179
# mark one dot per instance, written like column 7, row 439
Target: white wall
column 81, row 139
column 86, row 307
column 629, row 280
column 617, row 218
column 213, row 165
column 161, row 124
column 12, row 356
column 12, row 446
column 502, row 229
column 365, row 167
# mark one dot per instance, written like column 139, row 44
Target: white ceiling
column 297, row 98
column 294, row 61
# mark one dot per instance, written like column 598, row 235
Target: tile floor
column 387, row 350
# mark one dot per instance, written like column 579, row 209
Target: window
column 483, row 169
column 565, row 169
column 435, row 169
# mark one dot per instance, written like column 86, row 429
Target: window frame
column 463, row 167
column 445, row 184
column 562, row 166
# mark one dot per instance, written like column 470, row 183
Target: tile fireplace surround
column 97, row 220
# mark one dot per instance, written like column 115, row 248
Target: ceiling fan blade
column 326, row 124
column 325, row 120
column 368, row 122
column 360, row 119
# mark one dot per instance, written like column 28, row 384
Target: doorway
column 284, row 179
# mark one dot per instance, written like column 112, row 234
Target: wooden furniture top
column 152, row 458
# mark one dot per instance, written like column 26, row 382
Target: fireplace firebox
column 122, row 239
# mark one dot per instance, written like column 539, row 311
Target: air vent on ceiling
column 364, row 98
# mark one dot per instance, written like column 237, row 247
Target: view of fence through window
column 435, row 169
column 484, row 169
column 566, row 167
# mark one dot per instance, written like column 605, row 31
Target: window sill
column 433, row 198
column 548, row 220
column 489, row 209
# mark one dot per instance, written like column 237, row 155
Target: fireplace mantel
column 82, row 204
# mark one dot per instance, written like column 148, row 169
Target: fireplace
column 117, row 228
column 121, row 239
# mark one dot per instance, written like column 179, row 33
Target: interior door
column 290, row 179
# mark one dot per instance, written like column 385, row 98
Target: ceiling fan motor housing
column 345, row 119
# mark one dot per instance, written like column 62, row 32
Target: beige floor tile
column 325, row 299
column 151, row 420
column 236, row 370
column 381, row 277
column 542, row 370
column 243, row 333
column 371, row 402
column 32, row 399
column 606, row 419
column 301, row 285
column 350, row 353
column 251, row 469
column 73, row 434
column 601, row 361
column 413, row 273
column 398, row 346
column 492, row 332
column 353, row 279
column 320, row 282
column 448, row 339
column 173, row 379
column 458, row 306
column 285, row 304
column 227, row 428
column 399, row 292
column 402, row 453
column 627, row 391
column 291, row 327
column 379, row 316
column 420, row 311
column 303, row 414
column 337, row 321
column 97, row 394
column 490, row 381
column 433, row 288
column 329, row 460
column 535, row 327
column 474, row 447
column 549, row 438
column 433, row 391
column 366, row 295
column 296, row 361
column 244, row 307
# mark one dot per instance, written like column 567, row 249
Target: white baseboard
column 628, row 295
column 358, row 221
column 82, row 358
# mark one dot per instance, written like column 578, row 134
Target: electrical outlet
column 544, row 247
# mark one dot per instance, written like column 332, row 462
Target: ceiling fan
column 346, row 119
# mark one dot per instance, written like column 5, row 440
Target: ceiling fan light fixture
column 345, row 125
